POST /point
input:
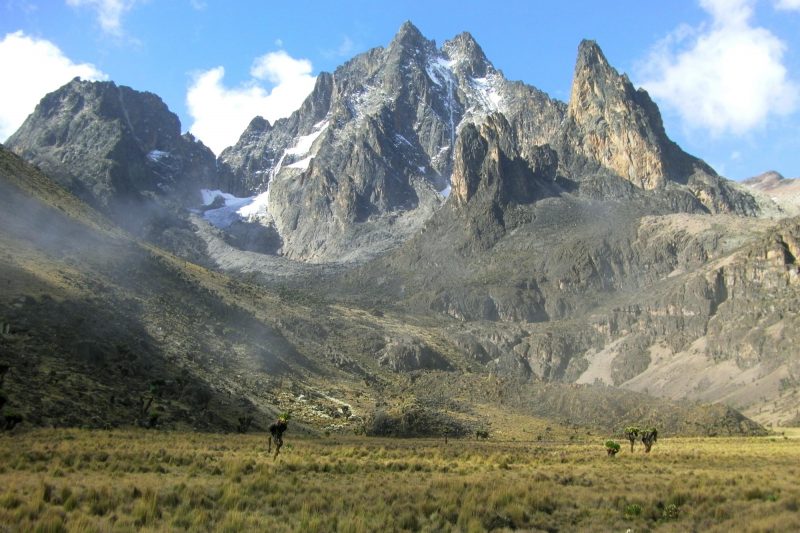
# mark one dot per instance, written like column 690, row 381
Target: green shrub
column 632, row 510
column 671, row 512
column 612, row 448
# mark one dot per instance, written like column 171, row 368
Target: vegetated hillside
column 96, row 324
column 100, row 329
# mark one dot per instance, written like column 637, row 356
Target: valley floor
column 76, row 480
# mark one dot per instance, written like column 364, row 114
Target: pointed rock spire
column 590, row 55
column 618, row 126
column 408, row 34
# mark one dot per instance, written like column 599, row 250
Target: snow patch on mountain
column 440, row 70
column 368, row 101
column 304, row 143
column 234, row 208
column 224, row 216
column 302, row 164
column 156, row 155
column 256, row 209
column 488, row 92
column 401, row 140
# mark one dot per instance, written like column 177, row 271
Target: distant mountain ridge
column 785, row 192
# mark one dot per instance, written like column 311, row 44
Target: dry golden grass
column 73, row 480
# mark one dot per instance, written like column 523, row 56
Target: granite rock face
column 612, row 124
column 487, row 160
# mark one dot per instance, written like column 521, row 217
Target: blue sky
column 725, row 73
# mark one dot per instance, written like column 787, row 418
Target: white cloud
column 109, row 12
column 36, row 67
column 788, row 5
column 222, row 113
column 279, row 67
column 725, row 77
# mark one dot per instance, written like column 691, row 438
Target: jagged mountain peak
column 408, row 36
column 592, row 62
column 377, row 138
column 612, row 124
column 141, row 114
column 465, row 40
column 258, row 124
column 391, row 119
column 407, row 28
column 465, row 52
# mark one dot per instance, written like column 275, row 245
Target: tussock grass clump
column 140, row 480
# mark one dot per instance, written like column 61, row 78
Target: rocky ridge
column 785, row 192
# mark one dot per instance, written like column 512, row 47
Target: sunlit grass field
column 76, row 480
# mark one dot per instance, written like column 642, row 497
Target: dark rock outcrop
column 406, row 354
column 116, row 148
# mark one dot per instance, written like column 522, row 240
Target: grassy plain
column 78, row 480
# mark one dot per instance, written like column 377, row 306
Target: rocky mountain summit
column 611, row 124
column 372, row 150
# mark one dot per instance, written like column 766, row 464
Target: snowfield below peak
column 488, row 92
column 251, row 208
